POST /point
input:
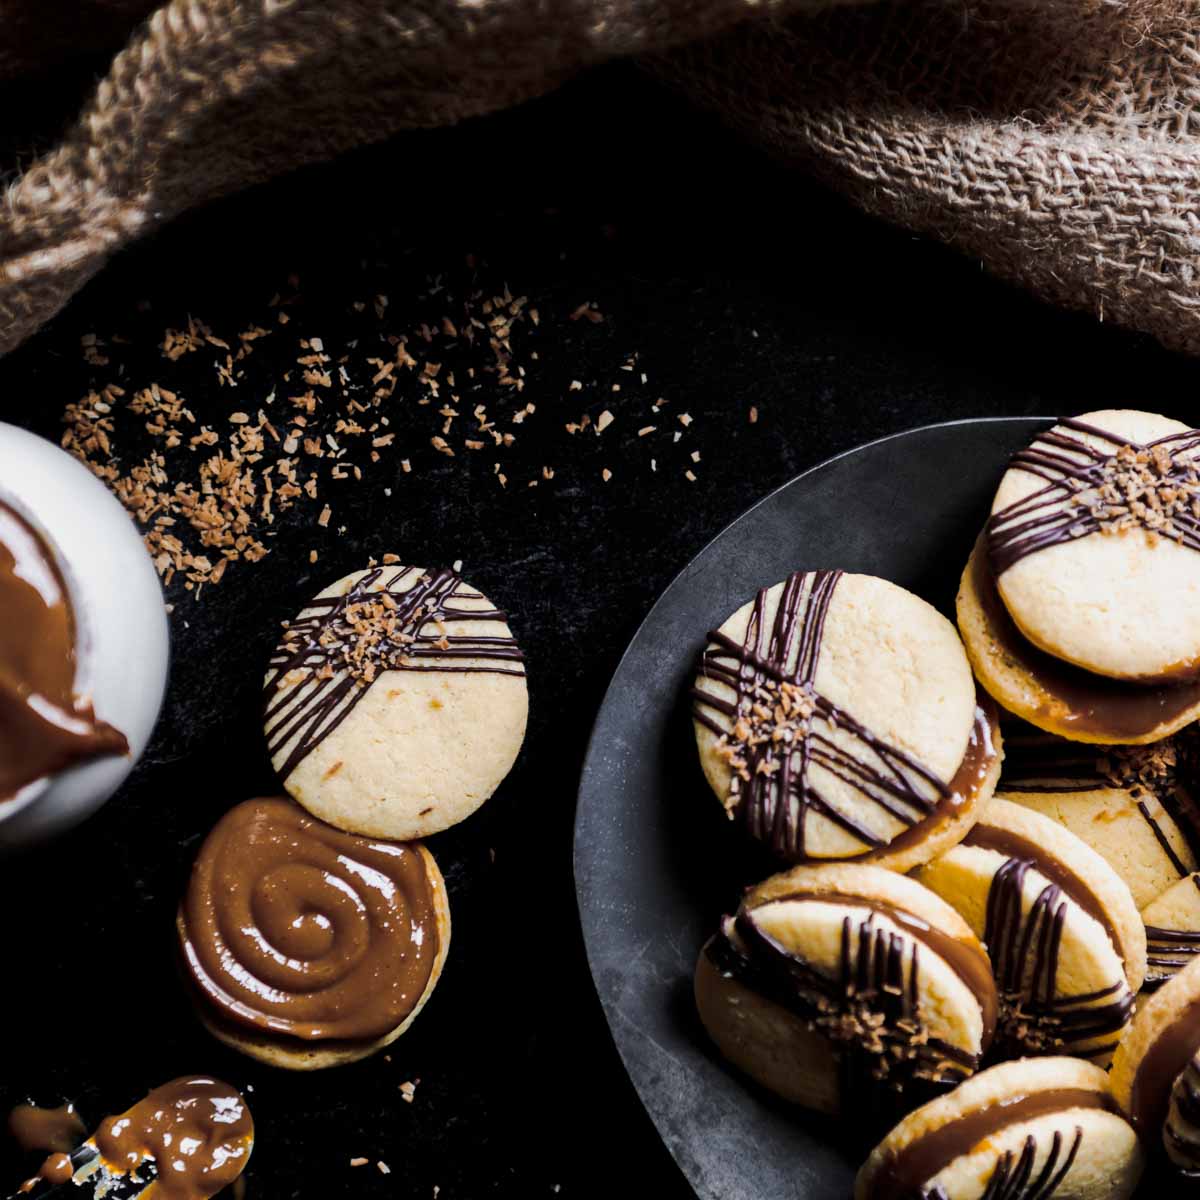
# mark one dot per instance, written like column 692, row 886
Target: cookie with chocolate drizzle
column 1027, row 1130
column 1134, row 805
column 847, row 988
column 1066, row 941
column 1054, row 695
column 1155, row 1072
column 395, row 703
column 836, row 718
column 1094, row 540
column 1172, row 930
column 307, row 947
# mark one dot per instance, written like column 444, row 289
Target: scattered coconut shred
column 209, row 489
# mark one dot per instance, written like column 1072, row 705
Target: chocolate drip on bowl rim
column 44, row 726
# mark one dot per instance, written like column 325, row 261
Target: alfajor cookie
column 1172, row 930
column 1025, row 1130
column 1132, row 804
column 836, row 718
column 307, row 947
column 396, row 702
column 847, row 988
column 1155, row 1070
column 1065, row 939
column 1052, row 694
column 1094, row 540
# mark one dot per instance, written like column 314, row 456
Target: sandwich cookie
column 847, row 989
column 1172, row 930
column 1027, row 1130
column 308, row 947
column 1052, row 694
column 836, row 718
column 396, row 702
column 1156, row 1070
column 1132, row 804
column 1094, row 540
column 1065, row 939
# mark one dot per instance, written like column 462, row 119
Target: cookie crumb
column 384, row 1169
column 359, row 1162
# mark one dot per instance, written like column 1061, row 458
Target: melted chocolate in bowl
column 44, row 727
column 293, row 928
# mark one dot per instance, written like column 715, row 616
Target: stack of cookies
column 991, row 836
column 314, row 927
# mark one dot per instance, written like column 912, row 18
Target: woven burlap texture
column 1058, row 142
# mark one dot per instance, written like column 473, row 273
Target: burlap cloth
column 1057, row 141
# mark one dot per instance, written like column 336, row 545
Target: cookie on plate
column 847, row 989
column 1094, row 540
column 1052, row 694
column 307, row 947
column 1172, row 930
column 396, row 702
column 1025, row 1130
column 836, row 718
column 1156, row 1072
column 1131, row 804
column 1065, row 939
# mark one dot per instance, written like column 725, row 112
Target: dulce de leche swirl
column 292, row 927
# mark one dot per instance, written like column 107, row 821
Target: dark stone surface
column 736, row 283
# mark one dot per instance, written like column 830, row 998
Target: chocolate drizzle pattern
column 295, row 929
column 1012, row 1178
column 1168, row 951
column 392, row 619
column 871, row 1013
column 1024, row 948
column 777, row 727
column 1089, row 490
column 1159, row 776
column 1181, row 1132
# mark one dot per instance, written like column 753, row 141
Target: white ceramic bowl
column 121, row 624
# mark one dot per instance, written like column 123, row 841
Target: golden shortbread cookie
column 1094, row 540
column 1065, row 939
column 836, row 718
column 1032, row 1128
column 396, row 702
column 847, row 988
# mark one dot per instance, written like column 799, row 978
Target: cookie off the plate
column 305, row 946
column 837, row 718
column 396, row 702
column 847, row 989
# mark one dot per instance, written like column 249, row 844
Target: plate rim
column 591, row 752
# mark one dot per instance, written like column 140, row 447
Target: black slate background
column 690, row 244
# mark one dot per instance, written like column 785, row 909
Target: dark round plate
column 656, row 863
